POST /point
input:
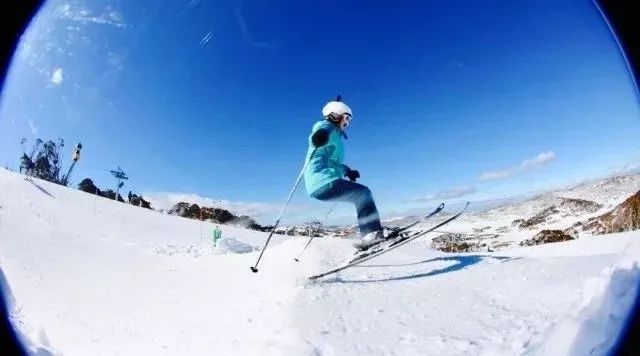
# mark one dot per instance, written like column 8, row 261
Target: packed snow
column 90, row 276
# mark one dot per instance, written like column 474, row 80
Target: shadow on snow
column 463, row 261
column 40, row 188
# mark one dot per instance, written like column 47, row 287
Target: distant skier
column 217, row 235
column 325, row 171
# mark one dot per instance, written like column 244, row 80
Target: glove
column 320, row 138
column 352, row 174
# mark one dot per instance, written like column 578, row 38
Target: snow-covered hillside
column 511, row 223
column 89, row 276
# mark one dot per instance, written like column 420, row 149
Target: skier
column 217, row 235
column 325, row 172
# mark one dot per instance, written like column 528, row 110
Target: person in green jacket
column 325, row 172
column 217, row 235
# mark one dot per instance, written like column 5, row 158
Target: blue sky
column 216, row 99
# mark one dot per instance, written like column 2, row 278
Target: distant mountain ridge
column 600, row 206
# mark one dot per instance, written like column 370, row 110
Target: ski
column 396, row 232
column 408, row 226
column 389, row 245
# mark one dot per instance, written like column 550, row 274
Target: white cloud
column 57, row 76
column 451, row 193
column 526, row 165
column 33, row 128
column 84, row 16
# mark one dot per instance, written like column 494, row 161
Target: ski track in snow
column 91, row 276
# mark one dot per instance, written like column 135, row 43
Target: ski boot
column 374, row 238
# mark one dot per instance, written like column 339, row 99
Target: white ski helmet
column 336, row 107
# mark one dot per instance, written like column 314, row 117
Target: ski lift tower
column 120, row 177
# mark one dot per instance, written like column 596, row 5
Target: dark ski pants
column 341, row 190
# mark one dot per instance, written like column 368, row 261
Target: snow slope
column 92, row 276
column 497, row 223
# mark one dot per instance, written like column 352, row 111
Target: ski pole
column 297, row 259
column 254, row 268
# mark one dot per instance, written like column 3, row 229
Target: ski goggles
column 346, row 118
column 343, row 119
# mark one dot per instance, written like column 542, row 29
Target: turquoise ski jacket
column 326, row 164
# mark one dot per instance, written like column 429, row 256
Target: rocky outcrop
column 517, row 222
column 194, row 211
column 246, row 222
column 139, row 201
column 110, row 194
column 547, row 236
column 454, row 242
column 624, row 217
column 215, row 215
column 571, row 231
column 185, row 210
column 459, row 242
column 87, row 186
column 539, row 218
column 579, row 206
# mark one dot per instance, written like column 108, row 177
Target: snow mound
column 596, row 322
column 225, row 246
column 231, row 245
column 35, row 342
